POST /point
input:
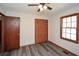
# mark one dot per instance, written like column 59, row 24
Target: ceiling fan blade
column 38, row 10
column 42, row 3
column 32, row 4
column 49, row 8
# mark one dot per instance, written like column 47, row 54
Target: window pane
column 68, row 36
column 74, row 24
column 64, row 30
column 74, row 18
column 68, row 25
column 63, row 35
column 64, row 24
column 64, row 20
column 68, row 19
column 73, row 31
column 68, row 31
column 73, row 37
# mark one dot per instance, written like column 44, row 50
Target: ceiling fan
column 41, row 6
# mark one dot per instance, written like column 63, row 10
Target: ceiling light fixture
column 41, row 9
column 40, row 6
column 45, row 7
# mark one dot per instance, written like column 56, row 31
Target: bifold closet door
column 11, row 33
column 41, row 31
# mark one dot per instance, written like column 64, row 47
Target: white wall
column 55, row 23
column 27, row 26
column 2, row 10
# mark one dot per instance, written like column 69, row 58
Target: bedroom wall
column 2, row 10
column 55, row 23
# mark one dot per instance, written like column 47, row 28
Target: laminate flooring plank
column 24, row 51
column 34, row 51
column 14, row 53
column 53, row 53
column 28, row 51
column 42, row 50
column 56, row 49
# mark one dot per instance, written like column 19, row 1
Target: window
column 69, row 27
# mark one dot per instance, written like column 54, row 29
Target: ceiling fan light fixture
column 41, row 9
column 45, row 7
column 40, row 6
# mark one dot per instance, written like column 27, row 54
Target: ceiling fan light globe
column 40, row 6
column 41, row 9
column 45, row 7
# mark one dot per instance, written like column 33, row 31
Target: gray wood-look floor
column 43, row 49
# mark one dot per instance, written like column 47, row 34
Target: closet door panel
column 41, row 30
column 11, row 33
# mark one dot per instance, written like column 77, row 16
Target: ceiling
column 23, row 7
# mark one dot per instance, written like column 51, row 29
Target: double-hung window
column 69, row 27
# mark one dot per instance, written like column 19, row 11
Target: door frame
column 2, row 20
column 35, row 28
column 1, row 35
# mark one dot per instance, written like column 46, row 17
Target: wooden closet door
column 11, row 33
column 41, row 31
